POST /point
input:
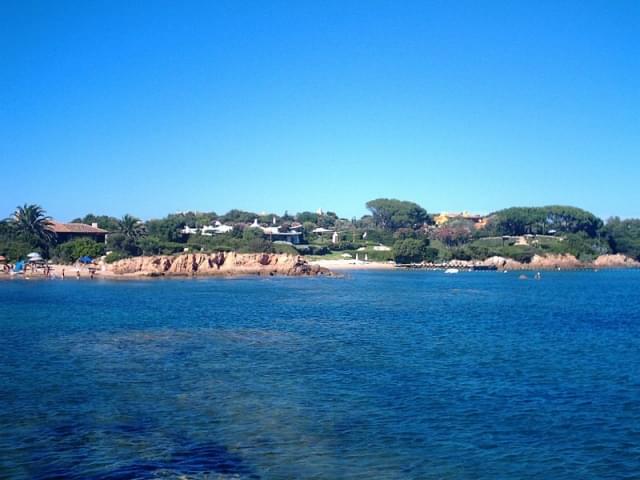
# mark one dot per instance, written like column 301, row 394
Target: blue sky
column 157, row 107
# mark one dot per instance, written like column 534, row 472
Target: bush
column 225, row 242
column 71, row 251
column 250, row 234
column 430, row 254
column 155, row 246
column 374, row 256
column 624, row 236
column 257, row 245
column 284, row 248
column 519, row 254
column 16, row 250
column 461, row 254
column 345, row 246
column 114, row 257
column 412, row 251
column 581, row 246
column 313, row 249
column 118, row 242
column 380, row 236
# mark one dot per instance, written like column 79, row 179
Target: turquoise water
column 386, row 375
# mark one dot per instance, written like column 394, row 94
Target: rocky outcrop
column 502, row 263
column 615, row 261
column 556, row 262
column 221, row 263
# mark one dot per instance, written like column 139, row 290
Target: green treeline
column 393, row 230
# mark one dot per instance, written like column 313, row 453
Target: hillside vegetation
column 396, row 230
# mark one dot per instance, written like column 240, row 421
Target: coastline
column 348, row 264
column 231, row 265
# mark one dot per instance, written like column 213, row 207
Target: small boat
column 451, row 270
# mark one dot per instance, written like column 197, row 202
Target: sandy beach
column 59, row 271
column 348, row 264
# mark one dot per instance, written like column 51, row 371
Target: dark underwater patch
column 207, row 458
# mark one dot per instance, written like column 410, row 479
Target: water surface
column 386, row 375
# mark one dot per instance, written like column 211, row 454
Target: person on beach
column 63, row 273
column 77, row 273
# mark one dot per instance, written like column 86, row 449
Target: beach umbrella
column 34, row 257
column 86, row 259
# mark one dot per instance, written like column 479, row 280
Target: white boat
column 452, row 270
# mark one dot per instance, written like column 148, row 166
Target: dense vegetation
column 405, row 227
column 542, row 220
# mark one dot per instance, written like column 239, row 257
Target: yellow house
column 441, row 219
column 479, row 221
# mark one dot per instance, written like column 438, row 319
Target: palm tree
column 32, row 222
column 131, row 227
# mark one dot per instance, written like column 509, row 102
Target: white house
column 207, row 230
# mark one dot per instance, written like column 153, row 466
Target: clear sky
column 156, row 107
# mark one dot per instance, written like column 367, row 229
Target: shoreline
column 232, row 265
column 335, row 272
column 353, row 265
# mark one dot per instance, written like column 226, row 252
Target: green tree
column 540, row 220
column 33, row 225
column 390, row 214
column 624, row 236
column 581, row 246
column 254, row 241
column 120, row 243
column 166, row 229
column 104, row 221
column 74, row 249
column 249, row 234
column 304, row 217
column 131, row 227
column 238, row 216
column 152, row 245
column 412, row 250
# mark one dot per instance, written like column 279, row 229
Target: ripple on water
column 384, row 375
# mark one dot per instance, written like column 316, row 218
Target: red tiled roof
column 58, row 227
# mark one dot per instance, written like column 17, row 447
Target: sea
column 376, row 375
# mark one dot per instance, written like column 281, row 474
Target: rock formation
column 555, row 262
column 207, row 264
column 615, row 261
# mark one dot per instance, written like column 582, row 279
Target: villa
column 275, row 235
column 207, row 230
column 293, row 236
column 72, row 231
column 479, row 221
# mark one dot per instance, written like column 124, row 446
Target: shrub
column 345, row 246
column 114, row 257
column 72, row 250
column 151, row 245
column 581, row 246
column 284, row 248
column 257, row 245
column 119, row 242
column 519, row 254
column 17, row 250
column 412, row 251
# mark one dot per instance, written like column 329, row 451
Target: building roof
column 276, row 231
column 58, row 227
